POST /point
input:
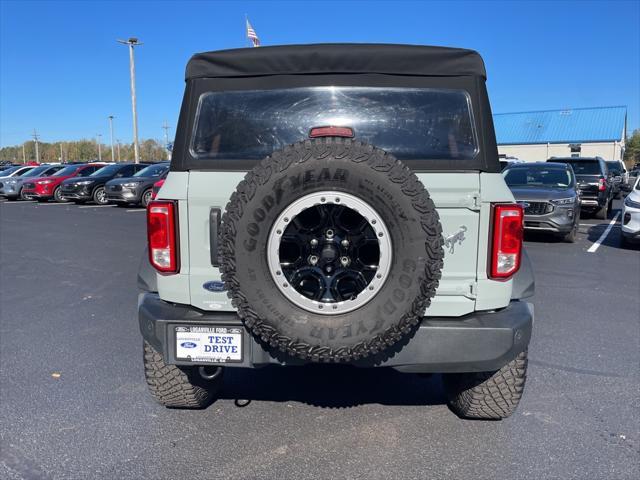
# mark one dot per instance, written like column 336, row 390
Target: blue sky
column 62, row 72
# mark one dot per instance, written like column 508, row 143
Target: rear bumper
column 483, row 341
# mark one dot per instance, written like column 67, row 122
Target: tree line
column 84, row 150
column 632, row 149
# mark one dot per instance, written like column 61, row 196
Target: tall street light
column 133, row 42
column 98, row 135
column 111, row 117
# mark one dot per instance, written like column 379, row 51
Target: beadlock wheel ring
column 370, row 277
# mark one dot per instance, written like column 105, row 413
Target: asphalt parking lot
column 74, row 402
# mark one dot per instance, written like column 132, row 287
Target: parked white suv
column 631, row 215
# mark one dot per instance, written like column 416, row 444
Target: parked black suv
column 138, row 188
column 595, row 183
column 81, row 190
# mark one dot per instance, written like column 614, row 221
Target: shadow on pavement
column 332, row 386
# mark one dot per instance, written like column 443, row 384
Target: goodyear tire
column 178, row 387
column 352, row 187
column 487, row 395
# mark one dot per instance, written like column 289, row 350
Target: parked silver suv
column 337, row 204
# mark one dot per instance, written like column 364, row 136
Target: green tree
column 632, row 149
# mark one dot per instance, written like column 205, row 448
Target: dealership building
column 578, row 132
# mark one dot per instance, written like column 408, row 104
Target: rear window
column 585, row 167
column 409, row 123
column 614, row 168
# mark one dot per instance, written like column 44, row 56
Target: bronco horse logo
column 454, row 238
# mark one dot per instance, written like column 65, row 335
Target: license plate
column 209, row 344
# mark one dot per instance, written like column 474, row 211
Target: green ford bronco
column 337, row 203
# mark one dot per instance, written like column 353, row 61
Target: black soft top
column 337, row 58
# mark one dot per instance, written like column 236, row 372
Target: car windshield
column 152, row 171
column 537, row 177
column 37, row 171
column 71, row 169
column 614, row 168
column 410, row 123
column 9, row 171
column 585, row 167
column 24, row 172
column 106, row 171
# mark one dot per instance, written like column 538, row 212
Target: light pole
column 118, row 145
column 132, row 72
column 111, row 117
column 98, row 135
column 36, row 137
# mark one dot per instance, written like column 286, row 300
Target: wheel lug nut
column 329, row 233
column 345, row 261
column 344, row 243
column 313, row 259
column 314, row 242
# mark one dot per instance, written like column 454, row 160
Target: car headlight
column 10, row 182
column 44, row 182
column 131, row 184
column 564, row 201
column 84, row 182
column 630, row 203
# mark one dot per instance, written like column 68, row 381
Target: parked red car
column 156, row 188
column 46, row 188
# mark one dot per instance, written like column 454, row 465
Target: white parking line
column 137, row 210
column 97, row 206
column 594, row 247
column 18, row 203
column 43, row 204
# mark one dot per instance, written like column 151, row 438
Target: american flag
column 252, row 35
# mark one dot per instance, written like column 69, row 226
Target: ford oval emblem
column 188, row 345
column 214, row 286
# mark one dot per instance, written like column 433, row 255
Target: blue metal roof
column 578, row 125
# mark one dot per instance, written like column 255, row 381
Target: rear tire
column 603, row 213
column 487, row 395
column 177, row 387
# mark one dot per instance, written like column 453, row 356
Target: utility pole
column 118, row 143
column 61, row 155
column 165, row 127
column 111, row 117
column 132, row 73
column 24, row 155
column 98, row 135
column 36, row 137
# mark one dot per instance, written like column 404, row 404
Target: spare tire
column 331, row 249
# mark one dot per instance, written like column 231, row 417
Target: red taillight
column 162, row 236
column 602, row 185
column 506, row 248
column 331, row 132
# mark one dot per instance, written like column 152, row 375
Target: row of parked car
column 98, row 182
column 554, row 194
